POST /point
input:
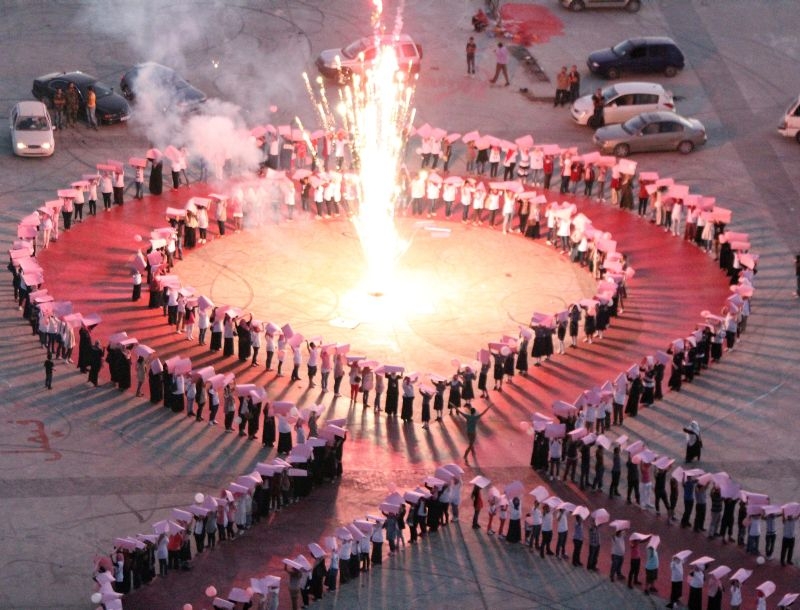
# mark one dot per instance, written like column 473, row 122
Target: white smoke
column 248, row 58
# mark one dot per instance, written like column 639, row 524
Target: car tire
column 633, row 6
column 612, row 73
column 670, row 71
column 592, row 122
column 685, row 147
column 577, row 6
column 622, row 150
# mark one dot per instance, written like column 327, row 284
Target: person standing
column 696, row 581
column 91, row 107
column 617, row 554
column 651, row 570
column 48, row 371
column 577, row 541
column 694, row 442
column 797, row 273
column 59, row 103
column 472, row 419
column 562, row 87
column 471, row 49
column 501, row 56
column 477, row 505
column 73, row 103
column 594, row 546
column 676, row 577
column 636, row 563
column 787, row 542
column 574, row 83
column 598, row 104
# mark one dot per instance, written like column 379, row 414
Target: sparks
column 375, row 109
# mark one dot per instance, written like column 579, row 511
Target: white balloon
column 760, row 560
column 198, row 498
column 187, row 606
column 96, row 598
column 237, row 420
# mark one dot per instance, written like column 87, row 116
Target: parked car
column 111, row 107
column 631, row 6
column 163, row 87
column 341, row 64
column 651, row 131
column 790, row 125
column 31, row 130
column 623, row 101
column 647, row 54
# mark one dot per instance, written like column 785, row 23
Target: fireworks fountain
column 376, row 110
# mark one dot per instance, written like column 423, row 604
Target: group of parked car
column 637, row 116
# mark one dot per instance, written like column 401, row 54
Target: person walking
column 472, row 425
column 501, row 56
column 471, row 48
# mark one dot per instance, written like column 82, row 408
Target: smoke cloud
column 246, row 59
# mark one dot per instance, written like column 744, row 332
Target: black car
column 647, row 54
column 161, row 87
column 111, row 107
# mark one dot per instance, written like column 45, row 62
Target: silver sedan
column 651, row 131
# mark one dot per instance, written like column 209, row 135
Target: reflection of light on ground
column 403, row 295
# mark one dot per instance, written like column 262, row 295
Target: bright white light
column 375, row 109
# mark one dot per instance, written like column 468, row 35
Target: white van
column 623, row 101
column 790, row 125
column 340, row 64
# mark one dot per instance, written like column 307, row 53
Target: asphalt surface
column 110, row 465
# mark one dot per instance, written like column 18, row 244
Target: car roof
column 389, row 38
column 30, row 108
column 76, row 76
column 661, row 115
column 637, row 87
column 650, row 40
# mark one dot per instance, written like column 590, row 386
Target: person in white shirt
column 676, row 577
column 696, row 580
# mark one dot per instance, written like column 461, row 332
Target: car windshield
column 609, row 93
column 352, row 50
column 31, row 123
column 622, row 48
column 101, row 89
column 633, row 125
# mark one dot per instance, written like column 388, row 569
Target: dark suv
column 647, row 54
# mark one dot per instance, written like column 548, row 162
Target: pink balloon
column 273, row 108
column 187, row 607
column 211, row 591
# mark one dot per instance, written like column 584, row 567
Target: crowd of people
column 184, row 388
column 243, row 504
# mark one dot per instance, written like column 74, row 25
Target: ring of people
column 575, row 434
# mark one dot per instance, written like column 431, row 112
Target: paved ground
column 111, row 466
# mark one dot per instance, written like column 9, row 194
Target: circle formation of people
column 521, row 198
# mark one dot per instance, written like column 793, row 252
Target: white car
column 790, row 125
column 341, row 64
column 31, row 130
column 623, row 101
